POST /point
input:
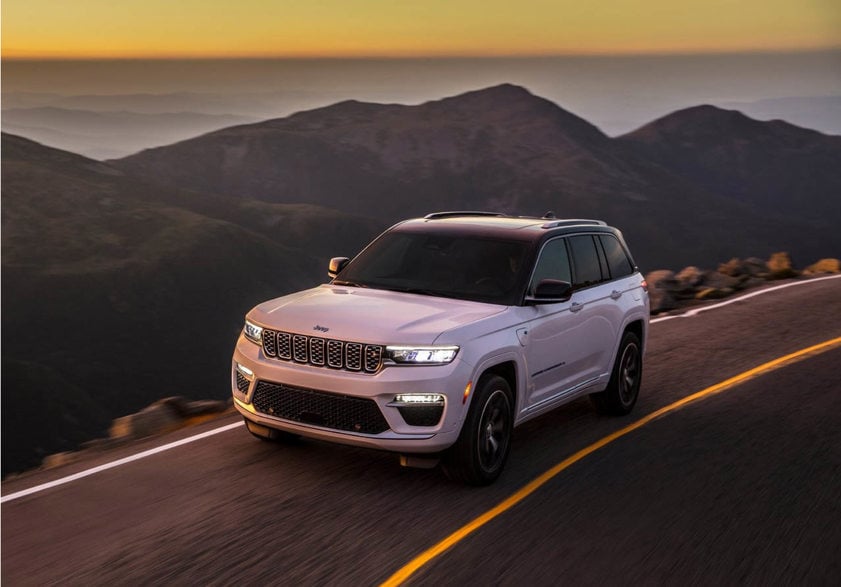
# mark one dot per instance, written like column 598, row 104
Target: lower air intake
column 319, row 408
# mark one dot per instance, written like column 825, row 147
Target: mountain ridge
column 761, row 163
column 501, row 148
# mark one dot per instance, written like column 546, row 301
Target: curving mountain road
column 739, row 487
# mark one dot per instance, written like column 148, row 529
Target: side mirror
column 336, row 265
column 550, row 291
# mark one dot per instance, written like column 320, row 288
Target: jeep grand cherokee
column 444, row 334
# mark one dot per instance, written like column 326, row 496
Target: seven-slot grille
column 328, row 410
column 322, row 352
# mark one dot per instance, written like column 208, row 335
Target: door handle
column 576, row 307
column 615, row 294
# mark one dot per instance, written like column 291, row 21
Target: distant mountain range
column 104, row 135
column 125, row 281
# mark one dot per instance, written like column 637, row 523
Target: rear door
column 593, row 307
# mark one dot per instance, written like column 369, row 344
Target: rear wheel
column 479, row 454
column 622, row 391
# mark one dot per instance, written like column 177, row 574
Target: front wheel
column 622, row 391
column 479, row 454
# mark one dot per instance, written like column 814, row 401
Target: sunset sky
column 354, row 28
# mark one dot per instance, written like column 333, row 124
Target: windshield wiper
column 426, row 292
column 348, row 283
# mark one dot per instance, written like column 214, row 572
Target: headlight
column 253, row 332
column 427, row 355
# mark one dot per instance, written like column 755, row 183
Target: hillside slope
column 772, row 165
column 500, row 148
column 117, row 293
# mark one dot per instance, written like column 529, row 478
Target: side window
column 585, row 259
column 552, row 264
column 617, row 259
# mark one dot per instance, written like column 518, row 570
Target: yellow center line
column 405, row 572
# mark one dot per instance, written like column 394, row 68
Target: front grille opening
column 284, row 345
column 320, row 352
column 269, row 343
column 299, row 349
column 320, row 408
column 353, row 356
column 317, row 351
column 335, row 354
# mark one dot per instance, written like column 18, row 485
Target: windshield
column 463, row 267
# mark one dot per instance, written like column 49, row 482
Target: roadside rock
column 780, row 266
column 712, row 293
column 165, row 415
column 823, row 266
column 690, row 277
column 60, row 458
column 756, row 267
column 159, row 418
column 751, row 267
column 717, row 280
column 662, row 286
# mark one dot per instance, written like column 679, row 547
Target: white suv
column 444, row 334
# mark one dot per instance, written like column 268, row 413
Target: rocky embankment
column 165, row 415
column 670, row 291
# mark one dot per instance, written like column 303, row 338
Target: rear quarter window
column 618, row 262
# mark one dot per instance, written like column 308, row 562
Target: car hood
column 368, row 315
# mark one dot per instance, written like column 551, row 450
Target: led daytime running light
column 419, row 398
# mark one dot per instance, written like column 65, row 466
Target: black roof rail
column 435, row 215
column 557, row 223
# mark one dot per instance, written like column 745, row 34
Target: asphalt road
column 741, row 487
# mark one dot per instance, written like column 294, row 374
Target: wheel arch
column 638, row 328
column 507, row 370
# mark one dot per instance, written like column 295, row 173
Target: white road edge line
column 117, row 463
column 760, row 292
column 166, row 447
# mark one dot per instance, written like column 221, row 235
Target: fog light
column 244, row 377
column 419, row 409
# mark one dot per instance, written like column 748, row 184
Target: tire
column 269, row 434
column 622, row 390
column 479, row 454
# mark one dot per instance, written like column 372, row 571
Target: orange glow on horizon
column 45, row 29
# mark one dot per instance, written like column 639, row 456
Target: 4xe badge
column 320, row 328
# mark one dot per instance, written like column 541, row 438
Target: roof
column 500, row 225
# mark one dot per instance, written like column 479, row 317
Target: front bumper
column 250, row 366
